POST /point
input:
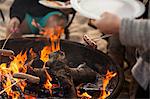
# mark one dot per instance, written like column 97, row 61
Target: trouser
column 141, row 93
column 120, row 53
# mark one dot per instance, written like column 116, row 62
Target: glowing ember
column 85, row 95
column 30, row 97
column 106, row 80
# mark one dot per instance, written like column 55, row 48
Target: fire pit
column 83, row 71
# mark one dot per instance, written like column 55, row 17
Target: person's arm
column 132, row 32
column 17, row 13
column 19, row 9
column 135, row 33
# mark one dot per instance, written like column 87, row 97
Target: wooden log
column 11, row 85
column 82, row 74
column 59, row 70
column 67, row 84
column 70, row 76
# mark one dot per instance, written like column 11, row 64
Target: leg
column 115, row 50
column 141, row 93
column 120, row 53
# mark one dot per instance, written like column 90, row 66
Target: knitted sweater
column 137, row 33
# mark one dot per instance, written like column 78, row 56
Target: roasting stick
column 5, row 52
column 12, row 85
column 6, row 40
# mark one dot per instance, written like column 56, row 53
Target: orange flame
column 84, row 95
column 54, row 35
column 45, row 53
column 17, row 65
column 106, row 80
column 29, row 97
column 32, row 53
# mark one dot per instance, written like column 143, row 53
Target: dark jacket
column 20, row 7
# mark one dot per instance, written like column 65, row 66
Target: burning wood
column 44, row 74
column 106, row 80
column 47, row 73
column 70, row 76
column 11, row 86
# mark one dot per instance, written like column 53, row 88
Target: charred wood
column 69, row 76
column 58, row 69
column 82, row 74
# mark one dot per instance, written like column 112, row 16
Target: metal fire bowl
column 76, row 54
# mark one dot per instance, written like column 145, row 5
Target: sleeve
column 135, row 33
column 19, row 9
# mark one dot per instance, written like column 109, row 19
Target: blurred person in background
column 131, row 33
column 22, row 13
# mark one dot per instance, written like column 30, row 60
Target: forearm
column 135, row 33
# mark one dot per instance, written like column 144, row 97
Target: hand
column 13, row 24
column 109, row 23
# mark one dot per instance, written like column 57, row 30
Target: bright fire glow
column 45, row 53
column 54, row 35
column 16, row 66
column 85, row 95
column 106, row 80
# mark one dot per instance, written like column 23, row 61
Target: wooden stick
column 11, row 85
column 6, row 40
